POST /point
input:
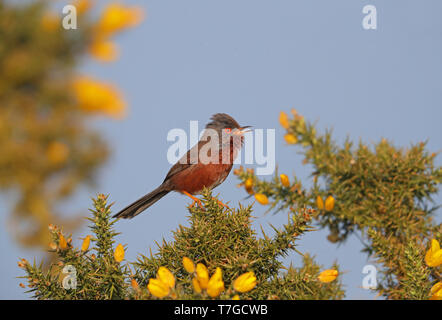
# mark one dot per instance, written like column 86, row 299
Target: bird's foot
column 198, row 201
column 223, row 204
column 195, row 200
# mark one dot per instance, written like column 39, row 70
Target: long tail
column 142, row 204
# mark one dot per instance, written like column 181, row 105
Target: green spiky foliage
column 382, row 194
column 215, row 237
column 224, row 238
column 98, row 274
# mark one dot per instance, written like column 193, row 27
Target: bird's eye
column 228, row 130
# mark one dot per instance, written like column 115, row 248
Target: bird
column 205, row 165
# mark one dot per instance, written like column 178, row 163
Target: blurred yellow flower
column 261, row 198
column 57, row 153
column 116, row 17
column 62, row 242
column 433, row 257
column 245, row 282
column 202, row 275
column 329, row 203
column 328, row 275
column 285, row 180
column 188, row 264
column 284, row 120
column 436, row 291
column 119, row 253
column 215, row 285
column 319, row 203
column 86, row 243
column 50, row 22
column 196, row 285
column 166, row 277
column 104, row 50
column 95, row 96
column 290, row 138
column 83, row 5
column 158, row 288
column 235, row 297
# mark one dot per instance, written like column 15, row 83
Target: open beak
column 242, row 130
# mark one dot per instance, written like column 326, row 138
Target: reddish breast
column 200, row 176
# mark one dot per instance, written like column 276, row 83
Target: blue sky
column 252, row 59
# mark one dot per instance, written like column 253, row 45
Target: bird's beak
column 242, row 130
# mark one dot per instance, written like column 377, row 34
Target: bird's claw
column 223, row 204
column 198, row 201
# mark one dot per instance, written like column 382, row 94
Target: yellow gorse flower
column 158, row 288
column 119, row 253
column 103, row 50
column 95, row 96
column 284, row 120
column 62, row 242
column 329, row 203
column 436, row 291
column 319, row 203
column 57, row 153
column 22, row 263
column 235, row 297
column 328, row 275
column 188, row 264
column 245, row 282
column 248, row 185
column 166, row 276
column 261, row 198
column 196, row 285
column 284, row 180
column 433, row 257
column 202, row 275
column 215, row 285
column 161, row 285
column 116, row 17
column 85, row 244
column 290, row 138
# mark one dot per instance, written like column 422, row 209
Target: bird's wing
column 192, row 156
column 185, row 161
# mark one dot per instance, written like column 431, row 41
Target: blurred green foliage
column 48, row 147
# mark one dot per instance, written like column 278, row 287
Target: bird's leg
column 195, row 199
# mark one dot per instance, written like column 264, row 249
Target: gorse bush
column 382, row 194
column 217, row 256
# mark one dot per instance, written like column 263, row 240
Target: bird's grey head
column 226, row 128
column 222, row 121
